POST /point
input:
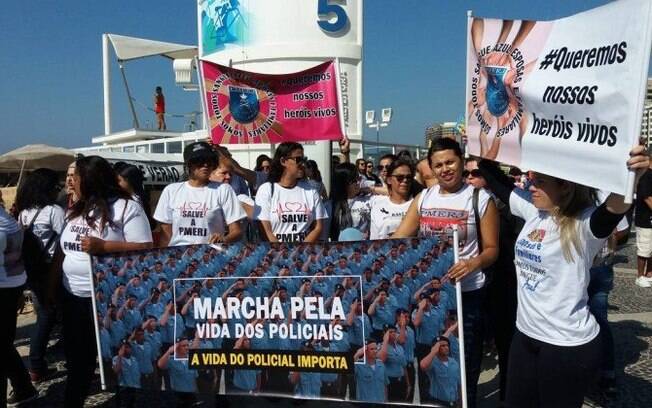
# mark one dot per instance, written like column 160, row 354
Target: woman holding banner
column 433, row 212
column 289, row 209
column 199, row 211
column 556, row 332
column 104, row 219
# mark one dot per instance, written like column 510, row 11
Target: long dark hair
column 343, row 175
column 135, row 178
column 259, row 162
column 99, row 188
column 314, row 168
column 282, row 151
column 39, row 189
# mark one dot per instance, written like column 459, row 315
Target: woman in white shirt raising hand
column 289, row 209
column 555, row 353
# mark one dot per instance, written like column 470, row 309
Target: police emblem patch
column 496, row 92
column 243, row 104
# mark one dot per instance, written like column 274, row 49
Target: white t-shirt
column 12, row 271
column 197, row 212
column 130, row 225
column 291, row 212
column 552, row 292
column 439, row 212
column 360, row 208
column 386, row 216
column 49, row 222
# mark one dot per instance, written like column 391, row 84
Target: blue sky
column 51, row 62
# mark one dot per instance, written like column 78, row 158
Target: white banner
column 562, row 97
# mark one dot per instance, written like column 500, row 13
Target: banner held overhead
column 246, row 107
column 567, row 89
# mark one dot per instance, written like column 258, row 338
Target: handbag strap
column 476, row 214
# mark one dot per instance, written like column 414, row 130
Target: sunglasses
column 383, row 167
column 298, row 159
column 403, row 177
column 474, row 173
column 202, row 163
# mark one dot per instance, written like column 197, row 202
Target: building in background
column 646, row 126
column 439, row 130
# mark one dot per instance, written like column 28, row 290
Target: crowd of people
column 533, row 262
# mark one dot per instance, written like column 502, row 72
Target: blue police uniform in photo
column 384, row 313
column 130, row 374
column 167, row 330
column 410, row 343
column 155, row 309
column 431, row 324
column 245, row 380
column 356, row 330
column 371, row 381
column 309, row 385
column 132, row 318
column 444, row 379
column 402, row 295
column 155, row 340
column 139, row 291
column 105, row 342
column 395, row 361
column 182, row 378
column 118, row 332
column 143, row 354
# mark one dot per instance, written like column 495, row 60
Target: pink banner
column 246, row 107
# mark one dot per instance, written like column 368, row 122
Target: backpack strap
column 31, row 223
column 476, row 214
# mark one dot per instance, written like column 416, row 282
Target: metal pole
column 460, row 318
column 20, row 175
column 377, row 136
column 106, row 82
column 131, row 101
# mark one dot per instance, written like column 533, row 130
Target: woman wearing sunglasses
column 388, row 211
column 432, row 213
column 199, row 211
column 289, row 209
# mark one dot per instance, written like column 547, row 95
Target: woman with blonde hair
column 555, row 352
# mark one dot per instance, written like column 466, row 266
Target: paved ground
column 630, row 313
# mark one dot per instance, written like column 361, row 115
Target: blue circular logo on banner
column 496, row 93
column 243, row 104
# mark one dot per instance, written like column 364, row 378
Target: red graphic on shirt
column 193, row 210
column 537, row 235
column 291, row 208
column 439, row 222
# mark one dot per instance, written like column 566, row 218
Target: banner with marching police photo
column 247, row 107
column 366, row 321
column 563, row 97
